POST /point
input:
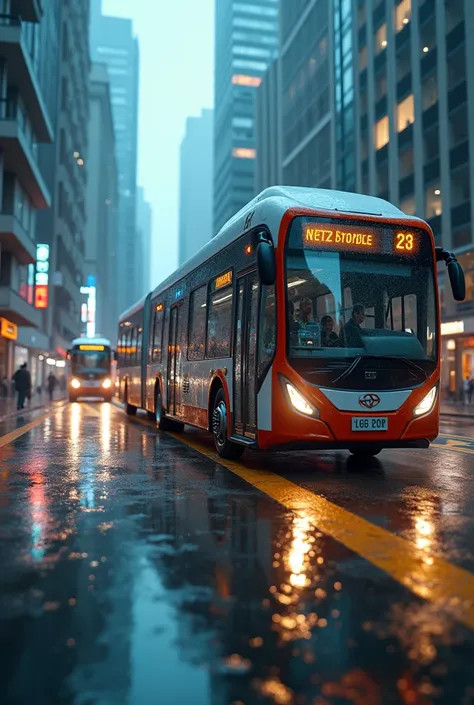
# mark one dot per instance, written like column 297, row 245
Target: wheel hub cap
column 219, row 422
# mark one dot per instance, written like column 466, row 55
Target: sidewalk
column 37, row 401
column 457, row 408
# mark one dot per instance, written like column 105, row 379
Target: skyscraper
column 102, row 205
column 25, row 120
column 144, row 230
column 306, row 94
column 65, row 74
column 112, row 42
column 414, row 82
column 196, row 185
column 268, row 122
column 246, row 44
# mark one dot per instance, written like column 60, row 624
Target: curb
column 29, row 410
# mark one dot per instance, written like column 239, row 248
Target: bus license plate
column 370, row 423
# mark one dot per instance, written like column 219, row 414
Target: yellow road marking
column 432, row 578
column 18, row 432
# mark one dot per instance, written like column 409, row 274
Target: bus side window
column 219, row 323
column 138, row 358
column 267, row 336
column 197, row 324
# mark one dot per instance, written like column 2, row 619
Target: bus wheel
column 72, row 398
column 224, row 447
column 162, row 423
column 364, row 452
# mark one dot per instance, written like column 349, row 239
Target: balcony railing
column 12, row 109
column 29, row 34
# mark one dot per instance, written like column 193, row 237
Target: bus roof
column 90, row 341
column 269, row 207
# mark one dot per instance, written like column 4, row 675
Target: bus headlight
column 426, row 404
column 298, row 402
column 75, row 383
column 106, row 384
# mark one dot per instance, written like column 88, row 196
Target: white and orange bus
column 91, row 365
column 311, row 321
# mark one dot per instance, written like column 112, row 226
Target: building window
column 403, row 63
column 381, row 39
column 457, row 66
column 363, row 58
column 219, row 323
column 197, row 324
column 381, row 133
column 429, row 91
column 431, row 144
column 407, row 163
column 433, row 202
column 157, row 340
column 458, row 128
column 460, row 185
column 455, row 13
column 428, row 36
column 402, row 15
column 405, row 113
column 380, row 85
column 408, row 205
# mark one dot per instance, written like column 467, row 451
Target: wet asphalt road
column 135, row 569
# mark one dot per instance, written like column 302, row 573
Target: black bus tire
column 225, row 448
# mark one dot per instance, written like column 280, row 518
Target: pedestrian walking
column 465, row 388
column 51, row 385
column 471, row 389
column 22, row 381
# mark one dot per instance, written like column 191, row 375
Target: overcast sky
column 176, row 40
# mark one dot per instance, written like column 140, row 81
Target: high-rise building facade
column 144, row 230
column 246, row 44
column 59, row 279
column 306, row 93
column 25, row 122
column 101, row 210
column 414, row 88
column 112, row 42
column 196, row 185
column 268, row 123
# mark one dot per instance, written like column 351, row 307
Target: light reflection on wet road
column 135, row 570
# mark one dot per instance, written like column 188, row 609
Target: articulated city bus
column 90, row 369
column 310, row 322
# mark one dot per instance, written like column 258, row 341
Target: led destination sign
column 360, row 238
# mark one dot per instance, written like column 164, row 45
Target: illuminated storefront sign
column 42, row 276
column 91, row 291
column 8, row 329
column 452, row 327
column 248, row 81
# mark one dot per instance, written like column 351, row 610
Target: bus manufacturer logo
column 368, row 401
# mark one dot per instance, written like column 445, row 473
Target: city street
column 137, row 569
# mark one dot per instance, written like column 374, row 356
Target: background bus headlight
column 426, row 404
column 106, row 384
column 298, row 402
column 75, row 383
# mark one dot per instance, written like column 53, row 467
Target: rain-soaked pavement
column 136, row 570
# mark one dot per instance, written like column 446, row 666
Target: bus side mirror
column 458, row 282
column 455, row 271
column 115, row 356
column 266, row 262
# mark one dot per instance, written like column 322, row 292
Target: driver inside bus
column 352, row 331
column 329, row 338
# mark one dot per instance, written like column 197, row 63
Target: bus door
column 173, row 359
column 245, row 357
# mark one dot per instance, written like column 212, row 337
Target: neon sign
column 42, row 276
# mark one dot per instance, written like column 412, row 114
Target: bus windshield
column 90, row 362
column 360, row 290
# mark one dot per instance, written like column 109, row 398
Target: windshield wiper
column 359, row 359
